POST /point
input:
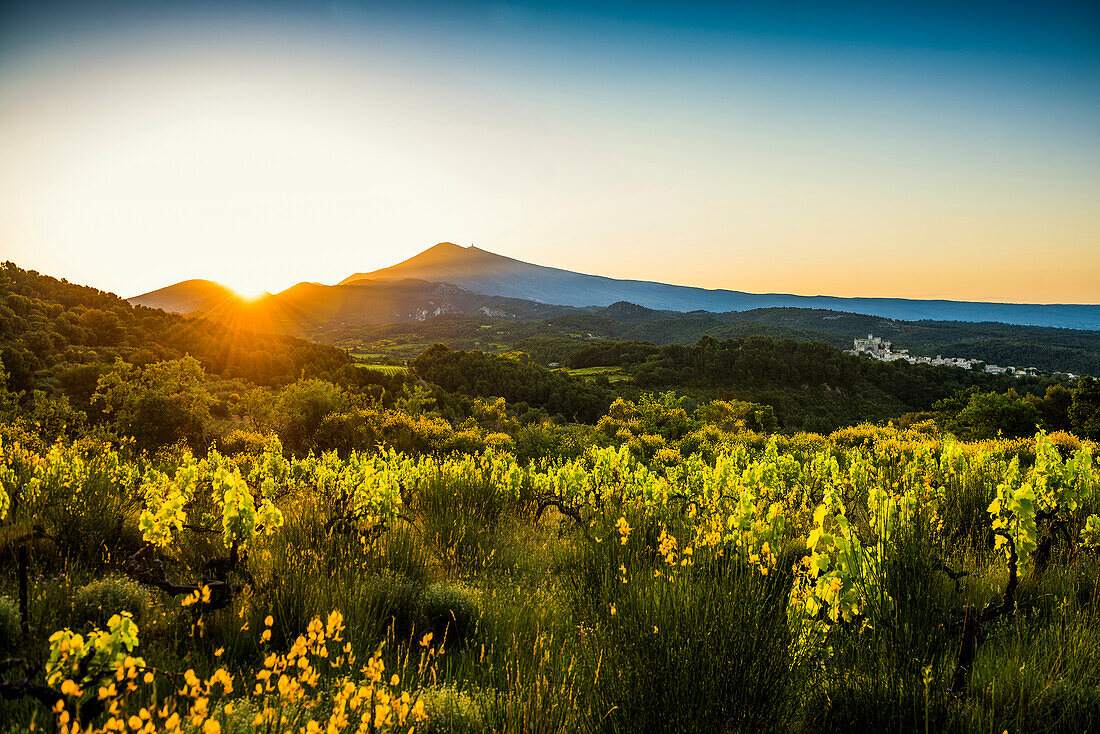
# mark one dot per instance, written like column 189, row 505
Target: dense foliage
column 868, row 579
column 54, row 334
column 813, row 386
column 477, row 373
column 74, row 356
column 556, row 339
column 475, row 542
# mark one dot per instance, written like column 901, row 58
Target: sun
column 249, row 292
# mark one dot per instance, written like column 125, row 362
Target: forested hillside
column 813, row 386
column 1047, row 349
column 1064, row 350
column 127, row 366
column 55, row 334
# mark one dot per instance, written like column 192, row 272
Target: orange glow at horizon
column 249, row 293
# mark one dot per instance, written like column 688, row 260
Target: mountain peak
column 446, row 251
column 440, row 263
column 447, row 248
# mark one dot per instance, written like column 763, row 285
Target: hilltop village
column 878, row 348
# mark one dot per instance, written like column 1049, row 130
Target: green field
column 388, row 369
column 613, row 374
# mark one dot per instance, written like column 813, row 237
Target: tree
column 988, row 414
column 1055, row 407
column 157, row 404
column 302, row 407
column 1084, row 410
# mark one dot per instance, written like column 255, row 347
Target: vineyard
column 877, row 578
column 385, row 369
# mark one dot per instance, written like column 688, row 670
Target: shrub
column 376, row 579
column 1067, row 443
column 395, row 600
column 241, row 441
column 97, row 602
column 500, row 442
column 450, row 610
column 451, row 710
column 667, row 457
column 706, row 647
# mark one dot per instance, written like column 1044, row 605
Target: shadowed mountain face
column 491, row 274
column 309, row 308
column 188, row 296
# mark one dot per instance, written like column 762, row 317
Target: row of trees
column 514, row 378
column 975, row 414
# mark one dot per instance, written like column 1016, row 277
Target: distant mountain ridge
column 491, row 274
column 441, row 311
column 313, row 308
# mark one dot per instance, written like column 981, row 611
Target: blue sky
column 877, row 149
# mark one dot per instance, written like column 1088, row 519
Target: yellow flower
column 612, row 609
column 624, row 529
column 211, row 726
